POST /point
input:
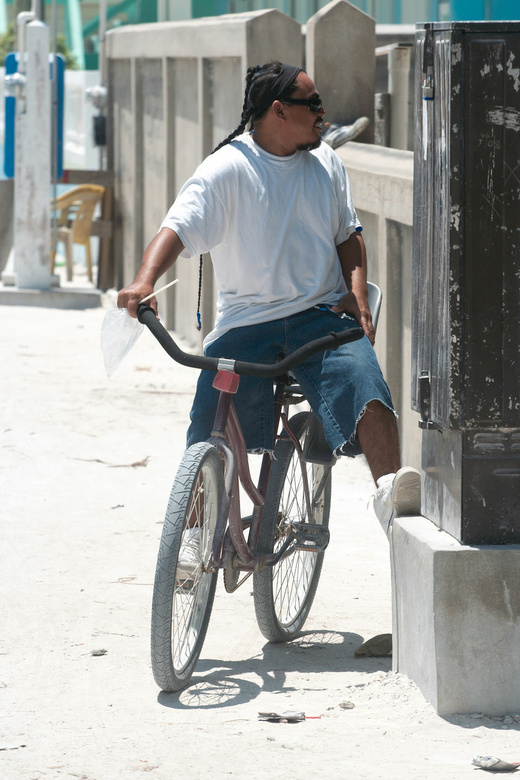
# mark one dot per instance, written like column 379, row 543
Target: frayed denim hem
column 351, row 442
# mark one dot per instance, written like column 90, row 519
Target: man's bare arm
column 160, row 255
column 353, row 258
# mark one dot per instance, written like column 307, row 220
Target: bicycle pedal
column 310, row 537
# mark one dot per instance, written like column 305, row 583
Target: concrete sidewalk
column 86, row 469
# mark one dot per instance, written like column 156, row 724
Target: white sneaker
column 190, row 557
column 397, row 495
column 336, row 135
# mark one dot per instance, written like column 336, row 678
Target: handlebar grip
column 148, row 317
column 332, row 341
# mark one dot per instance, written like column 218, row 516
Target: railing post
column 33, row 162
column 340, row 58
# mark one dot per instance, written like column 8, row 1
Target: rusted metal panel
column 466, row 279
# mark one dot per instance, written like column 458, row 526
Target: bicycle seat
column 375, row 296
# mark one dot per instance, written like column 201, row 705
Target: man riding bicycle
column 273, row 205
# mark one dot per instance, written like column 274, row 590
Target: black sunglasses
column 315, row 104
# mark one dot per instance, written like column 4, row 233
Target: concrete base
column 456, row 619
column 55, row 297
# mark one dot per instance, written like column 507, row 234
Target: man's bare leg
column 379, row 439
column 398, row 489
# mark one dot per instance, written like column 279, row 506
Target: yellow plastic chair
column 75, row 210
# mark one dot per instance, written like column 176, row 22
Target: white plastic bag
column 119, row 333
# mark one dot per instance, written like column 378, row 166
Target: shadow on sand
column 313, row 652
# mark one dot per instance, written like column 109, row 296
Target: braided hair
column 259, row 83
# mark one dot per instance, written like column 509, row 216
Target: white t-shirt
column 272, row 225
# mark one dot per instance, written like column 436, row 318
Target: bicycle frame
column 228, row 439
column 291, row 508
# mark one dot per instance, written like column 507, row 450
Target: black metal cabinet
column 466, row 281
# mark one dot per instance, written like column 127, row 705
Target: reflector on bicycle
column 226, row 381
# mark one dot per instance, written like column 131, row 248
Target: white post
column 33, row 164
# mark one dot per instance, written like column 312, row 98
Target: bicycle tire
column 283, row 594
column 181, row 608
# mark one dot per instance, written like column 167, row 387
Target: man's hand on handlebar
column 350, row 305
column 160, row 255
column 129, row 297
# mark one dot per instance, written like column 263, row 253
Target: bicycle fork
column 236, row 471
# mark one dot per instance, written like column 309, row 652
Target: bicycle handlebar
column 332, row 341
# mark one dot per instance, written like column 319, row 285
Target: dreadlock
column 246, row 108
column 259, row 80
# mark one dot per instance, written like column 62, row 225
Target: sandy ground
column 85, row 472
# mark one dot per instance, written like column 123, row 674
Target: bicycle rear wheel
column 181, row 604
column 283, row 594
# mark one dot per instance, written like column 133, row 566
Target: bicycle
column 287, row 530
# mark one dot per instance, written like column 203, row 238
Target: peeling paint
column 485, row 70
column 494, row 409
column 508, row 117
column 513, row 72
column 456, row 53
column 455, row 218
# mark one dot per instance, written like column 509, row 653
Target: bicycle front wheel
column 283, row 594
column 182, row 601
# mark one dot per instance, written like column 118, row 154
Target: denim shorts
column 338, row 384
